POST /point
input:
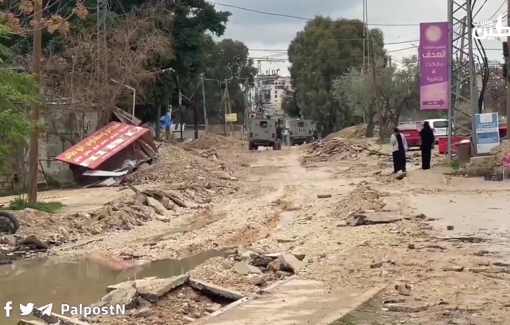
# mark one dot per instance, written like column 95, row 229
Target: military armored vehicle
column 300, row 131
column 263, row 133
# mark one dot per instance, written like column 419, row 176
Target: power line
column 295, row 17
column 504, row 1
column 352, row 39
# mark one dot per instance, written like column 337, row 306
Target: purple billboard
column 435, row 59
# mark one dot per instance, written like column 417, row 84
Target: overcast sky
column 269, row 36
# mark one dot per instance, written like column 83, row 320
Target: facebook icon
column 8, row 308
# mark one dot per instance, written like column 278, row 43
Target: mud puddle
column 77, row 282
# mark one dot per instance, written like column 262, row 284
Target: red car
column 412, row 134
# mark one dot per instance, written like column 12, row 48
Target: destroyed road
column 342, row 223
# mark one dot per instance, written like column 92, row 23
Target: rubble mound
column 199, row 171
column 336, row 149
column 361, row 199
column 122, row 214
column 211, row 140
column 351, row 132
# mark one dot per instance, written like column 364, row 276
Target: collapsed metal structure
column 462, row 71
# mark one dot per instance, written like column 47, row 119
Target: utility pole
column 373, row 67
column 246, row 108
column 206, row 120
column 33, row 155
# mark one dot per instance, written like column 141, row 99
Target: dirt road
column 447, row 280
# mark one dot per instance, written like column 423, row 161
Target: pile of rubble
column 361, row 199
column 190, row 170
column 351, row 132
column 249, row 269
column 40, row 230
column 212, row 140
column 342, row 149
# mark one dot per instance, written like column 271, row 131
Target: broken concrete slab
column 153, row 288
column 214, row 289
column 158, row 207
column 300, row 257
column 126, row 296
column 291, row 263
column 245, row 268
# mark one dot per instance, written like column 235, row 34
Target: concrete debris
column 338, row 148
column 57, row 319
column 125, row 295
column 214, row 289
column 403, row 289
column 190, row 170
column 213, row 308
column 374, row 218
column 404, row 308
column 211, row 141
column 291, row 263
column 450, row 227
column 158, row 207
column 245, row 268
column 323, row 196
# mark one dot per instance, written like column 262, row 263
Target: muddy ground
column 445, row 261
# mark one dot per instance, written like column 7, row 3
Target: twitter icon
column 27, row 309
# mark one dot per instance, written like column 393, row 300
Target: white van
column 440, row 127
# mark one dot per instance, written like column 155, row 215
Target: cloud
column 265, row 32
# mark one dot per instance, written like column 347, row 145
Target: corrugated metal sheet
column 100, row 146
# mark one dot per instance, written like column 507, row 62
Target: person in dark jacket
column 427, row 142
column 399, row 146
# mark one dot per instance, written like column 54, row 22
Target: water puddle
column 46, row 281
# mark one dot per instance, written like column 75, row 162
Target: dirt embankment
column 336, row 148
column 211, row 140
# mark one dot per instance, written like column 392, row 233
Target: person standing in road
column 399, row 145
column 427, row 143
column 279, row 133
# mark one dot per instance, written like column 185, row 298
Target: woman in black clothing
column 427, row 142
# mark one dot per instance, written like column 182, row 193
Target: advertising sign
column 487, row 132
column 101, row 145
column 434, row 60
column 231, row 117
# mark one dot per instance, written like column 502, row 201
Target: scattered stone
column 256, row 280
column 213, row 308
column 245, row 268
column 188, row 319
column 276, row 255
column 376, row 265
column 481, row 253
column 143, row 312
column 285, row 240
column 156, row 205
column 222, row 175
column 259, row 260
column 501, row 264
column 291, row 263
column 411, row 246
column 454, row 269
column 449, row 227
column 33, row 243
column 373, row 218
column 324, row 196
column 169, row 205
column 403, row 289
column 275, row 266
column 8, row 240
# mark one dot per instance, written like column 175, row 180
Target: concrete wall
column 62, row 129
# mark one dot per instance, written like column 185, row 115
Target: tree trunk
column 369, row 132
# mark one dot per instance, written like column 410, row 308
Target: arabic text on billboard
column 101, row 145
column 435, row 59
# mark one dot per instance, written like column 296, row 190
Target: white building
column 271, row 90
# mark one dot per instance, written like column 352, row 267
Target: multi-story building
column 268, row 93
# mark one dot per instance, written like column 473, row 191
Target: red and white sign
column 102, row 145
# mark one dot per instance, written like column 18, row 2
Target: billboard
column 102, row 145
column 435, row 58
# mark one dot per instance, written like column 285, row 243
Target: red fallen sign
column 102, row 145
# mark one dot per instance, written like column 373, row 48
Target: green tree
column 16, row 90
column 290, row 104
column 324, row 50
column 226, row 60
column 398, row 89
